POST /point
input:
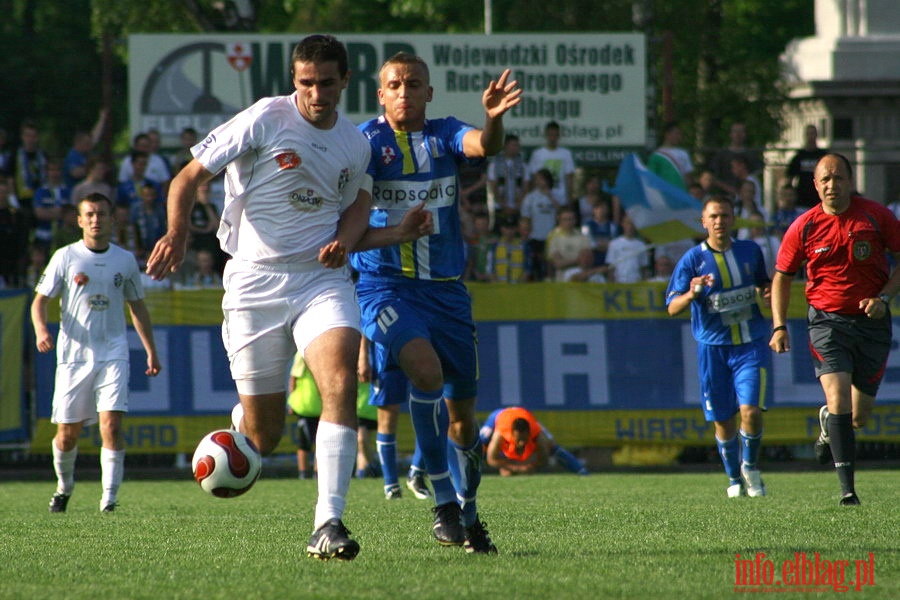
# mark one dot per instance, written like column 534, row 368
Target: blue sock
column 750, row 448
column 465, row 464
column 730, row 451
column 386, row 444
column 569, row 461
column 425, row 409
column 418, row 461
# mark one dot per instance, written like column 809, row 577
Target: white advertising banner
column 592, row 84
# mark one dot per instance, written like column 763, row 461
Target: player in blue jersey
column 413, row 301
column 721, row 280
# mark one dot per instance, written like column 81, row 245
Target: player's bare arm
column 417, row 222
column 140, row 317
column 499, row 97
column 681, row 302
column 781, row 297
column 43, row 339
column 351, row 227
column 168, row 253
column 876, row 308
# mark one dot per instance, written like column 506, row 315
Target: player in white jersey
column 95, row 280
column 297, row 201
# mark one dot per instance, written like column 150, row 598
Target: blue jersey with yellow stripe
column 727, row 313
column 408, row 168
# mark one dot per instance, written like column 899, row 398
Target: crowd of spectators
column 39, row 192
column 544, row 222
column 525, row 219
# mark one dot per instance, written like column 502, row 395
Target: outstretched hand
column 500, row 96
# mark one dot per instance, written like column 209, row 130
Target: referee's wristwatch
column 885, row 298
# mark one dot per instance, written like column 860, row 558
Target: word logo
column 802, row 574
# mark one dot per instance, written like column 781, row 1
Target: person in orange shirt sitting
column 517, row 444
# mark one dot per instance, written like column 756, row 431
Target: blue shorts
column 388, row 387
column 396, row 311
column 734, row 376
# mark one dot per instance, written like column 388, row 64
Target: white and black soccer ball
column 226, row 463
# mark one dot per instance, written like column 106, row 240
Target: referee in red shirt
column 845, row 240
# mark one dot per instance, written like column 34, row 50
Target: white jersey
column 559, row 162
column 286, row 182
column 94, row 288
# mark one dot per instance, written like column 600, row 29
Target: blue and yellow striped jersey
column 409, row 168
column 728, row 312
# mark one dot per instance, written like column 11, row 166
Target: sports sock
column 112, row 469
column 418, row 461
column 465, row 464
column 386, row 444
column 429, row 420
column 335, row 457
column 64, row 466
column 237, row 415
column 568, row 460
column 730, row 451
column 843, row 449
column 750, row 445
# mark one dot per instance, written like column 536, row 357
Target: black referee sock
column 843, row 449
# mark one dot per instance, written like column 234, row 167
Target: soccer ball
column 226, row 463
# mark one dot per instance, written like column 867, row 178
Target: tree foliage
column 724, row 53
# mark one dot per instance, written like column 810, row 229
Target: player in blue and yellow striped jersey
column 413, row 301
column 721, row 280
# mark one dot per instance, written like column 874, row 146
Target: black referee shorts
column 852, row 344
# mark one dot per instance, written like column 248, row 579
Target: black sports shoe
column 477, row 539
column 332, row 540
column 448, row 529
column 822, row 446
column 416, row 482
column 59, row 502
column 850, row 499
column 111, row 507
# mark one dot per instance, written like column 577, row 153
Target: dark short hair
column 522, row 426
column 406, row 58
column 551, row 125
column 318, row 49
column 96, row 198
column 547, row 175
column 719, row 199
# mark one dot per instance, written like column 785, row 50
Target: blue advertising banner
column 618, row 370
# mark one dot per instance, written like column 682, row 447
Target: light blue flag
column 661, row 212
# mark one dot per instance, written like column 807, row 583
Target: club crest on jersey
column 387, row 155
column 98, row 302
column 118, row 279
column 862, row 250
column 81, row 278
column 287, row 160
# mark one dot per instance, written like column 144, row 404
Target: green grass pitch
column 609, row 535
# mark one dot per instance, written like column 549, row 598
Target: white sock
column 112, row 469
column 237, row 415
column 64, row 466
column 335, row 456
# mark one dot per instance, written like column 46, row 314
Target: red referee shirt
column 846, row 253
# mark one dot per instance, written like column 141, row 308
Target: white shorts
column 273, row 311
column 84, row 389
